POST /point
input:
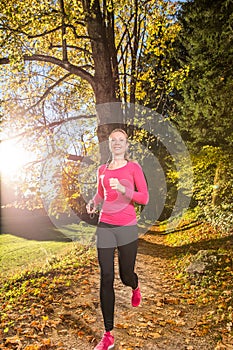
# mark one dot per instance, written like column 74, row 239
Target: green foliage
column 204, row 47
column 203, row 113
column 213, row 186
column 158, row 75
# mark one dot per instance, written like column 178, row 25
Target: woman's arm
column 98, row 197
column 141, row 195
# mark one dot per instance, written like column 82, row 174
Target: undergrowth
column 213, row 289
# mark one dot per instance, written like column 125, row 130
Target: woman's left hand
column 116, row 185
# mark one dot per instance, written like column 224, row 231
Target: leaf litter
column 58, row 307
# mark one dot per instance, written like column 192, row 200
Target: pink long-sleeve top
column 118, row 208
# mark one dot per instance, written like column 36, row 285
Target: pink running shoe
column 136, row 297
column 106, row 343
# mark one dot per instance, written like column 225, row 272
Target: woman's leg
column 127, row 256
column 107, row 295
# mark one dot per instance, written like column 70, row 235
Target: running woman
column 120, row 183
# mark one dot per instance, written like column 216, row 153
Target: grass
column 82, row 232
column 18, row 254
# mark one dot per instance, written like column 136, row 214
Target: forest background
column 71, row 71
column 60, row 60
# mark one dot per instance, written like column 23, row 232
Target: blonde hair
column 119, row 130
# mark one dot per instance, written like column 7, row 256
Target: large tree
column 62, row 58
column 87, row 50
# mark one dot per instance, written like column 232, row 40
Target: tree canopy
column 205, row 101
column 199, row 102
column 205, row 47
column 61, row 58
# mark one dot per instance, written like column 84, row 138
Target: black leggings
column 126, row 258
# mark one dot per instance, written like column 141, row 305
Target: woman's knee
column 127, row 278
column 107, row 278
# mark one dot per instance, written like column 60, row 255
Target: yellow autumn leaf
column 155, row 335
column 122, row 325
column 47, row 342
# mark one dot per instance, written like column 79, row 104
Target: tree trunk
column 104, row 87
column 109, row 114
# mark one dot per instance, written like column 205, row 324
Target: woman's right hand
column 91, row 208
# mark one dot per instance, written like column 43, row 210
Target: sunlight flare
column 12, row 158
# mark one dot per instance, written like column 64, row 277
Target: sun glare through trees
column 12, row 159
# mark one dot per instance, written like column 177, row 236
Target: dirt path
column 162, row 321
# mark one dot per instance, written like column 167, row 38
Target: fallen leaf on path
column 122, row 325
column 81, row 334
column 47, row 342
column 154, row 335
column 174, row 301
column 202, row 332
column 180, row 322
column 13, row 340
column 225, row 344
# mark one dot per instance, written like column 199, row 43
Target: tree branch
column 72, row 69
column 64, row 47
column 76, row 158
column 126, row 31
column 73, row 157
column 48, row 91
column 75, row 33
column 50, row 126
column 71, row 47
column 42, row 34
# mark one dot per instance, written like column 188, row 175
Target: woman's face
column 118, row 143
